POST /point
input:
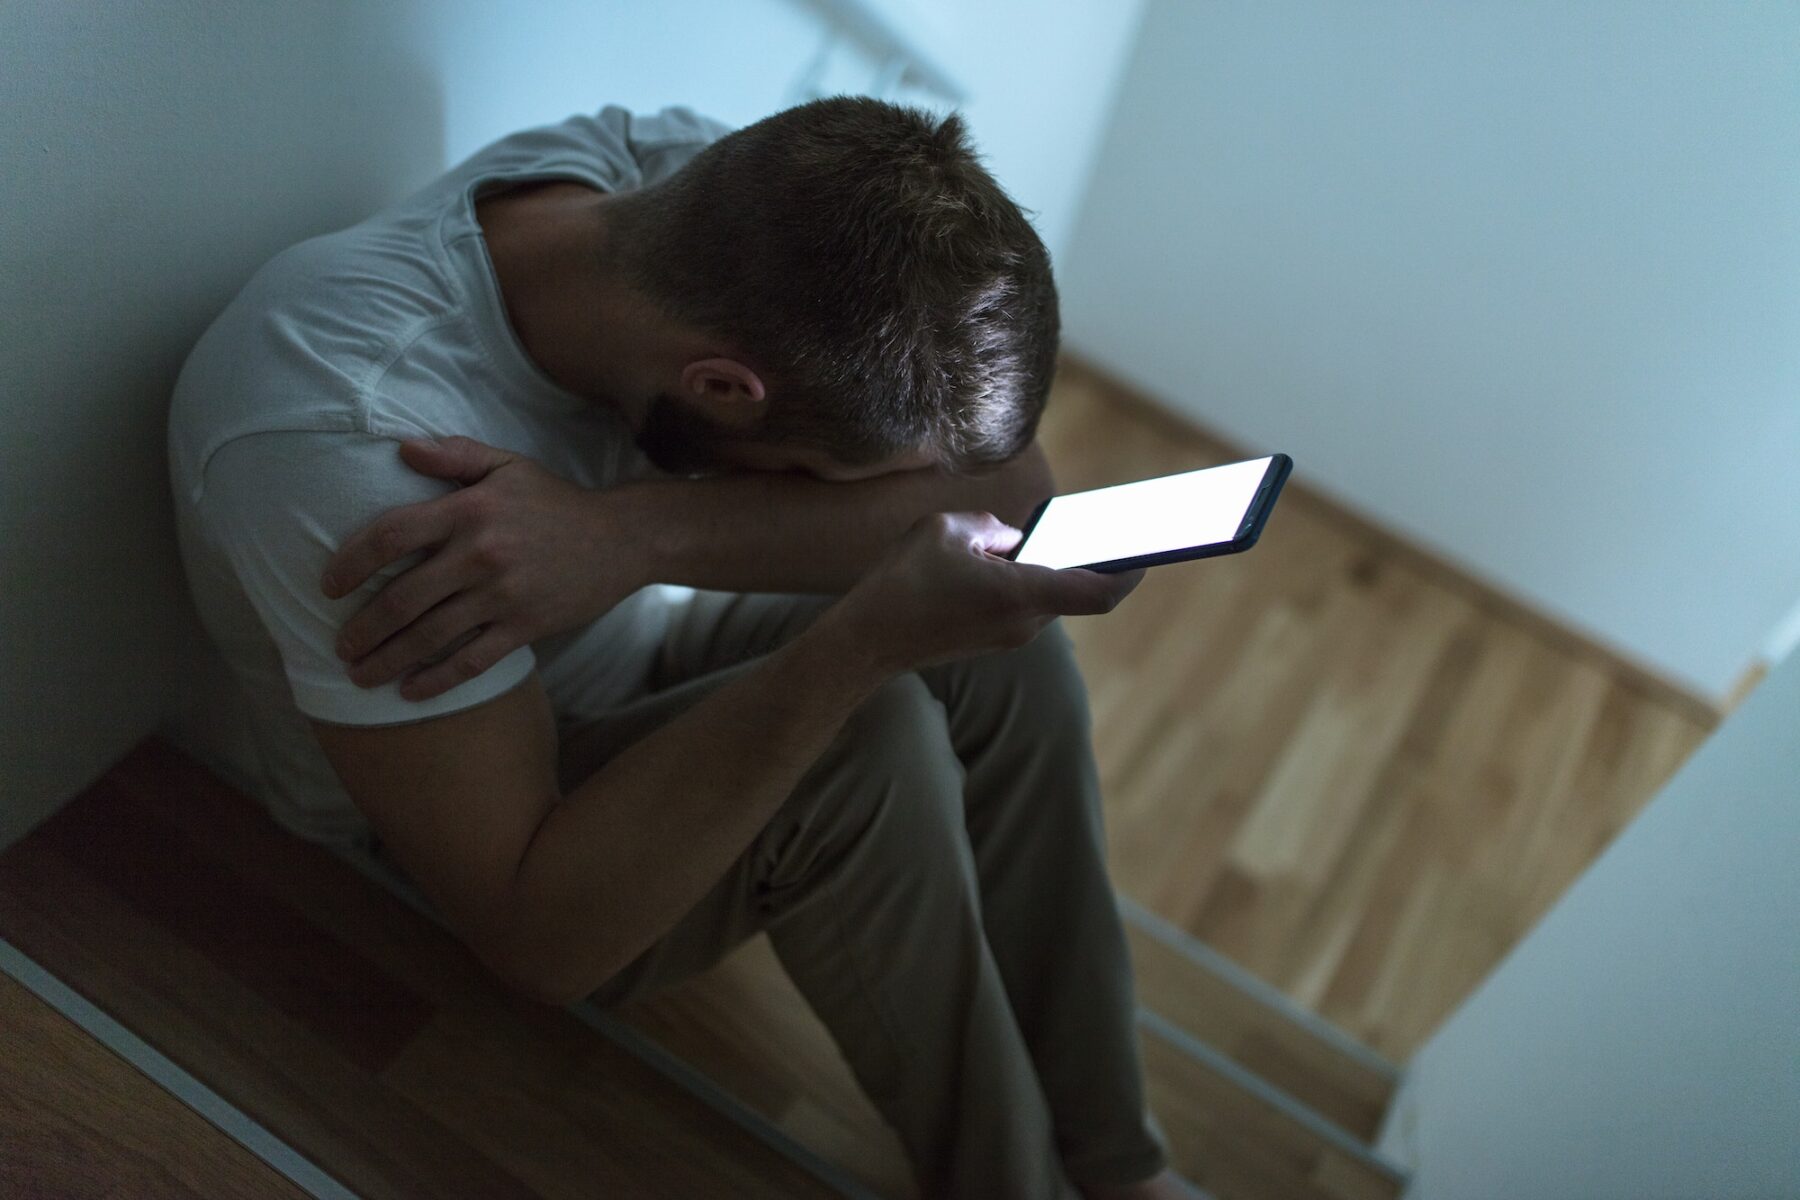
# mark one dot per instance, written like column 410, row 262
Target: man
column 753, row 363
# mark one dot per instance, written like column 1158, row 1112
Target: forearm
column 639, row 842
column 766, row 532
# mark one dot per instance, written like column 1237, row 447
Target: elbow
column 548, row 948
column 548, row 983
column 549, row 969
column 524, row 947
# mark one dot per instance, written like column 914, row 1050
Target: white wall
column 1784, row 637
column 155, row 154
column 1521, row 280
column 152, row 156
column 1040, row 81
column 1643, row 1042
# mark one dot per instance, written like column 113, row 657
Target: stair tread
column 1244, row 1139
column 347, row 1024
column 745, row 1025
column 1250, row 1023
column 325, row 1008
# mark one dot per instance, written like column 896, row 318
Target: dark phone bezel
column 1261, row 505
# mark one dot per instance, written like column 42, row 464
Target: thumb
column 994, row 535
column 460, row 458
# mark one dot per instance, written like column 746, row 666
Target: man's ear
column 726, row 388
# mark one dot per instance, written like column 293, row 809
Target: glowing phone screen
column 1151, row 516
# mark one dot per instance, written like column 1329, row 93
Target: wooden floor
column 359, row 1033
column 327, row 1011
column 78, row 1120
column 1337, row 761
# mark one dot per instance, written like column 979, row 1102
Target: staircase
column 350, row 1025
column 1259, row 1099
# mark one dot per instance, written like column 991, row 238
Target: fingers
column 487, row 648
column 390, row 537
column 1105, row 591
column 460, row 458
column 400, row 531
column 1073, row 592
column 1123, row 583
column 982, row 530
column 424, row 640
column 997, row 537
column 397, row 605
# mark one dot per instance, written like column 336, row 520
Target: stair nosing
column 1241, row 1076
column 657, row 1057
column 171, row 1076
column 1207, row 959
column 692, row 1079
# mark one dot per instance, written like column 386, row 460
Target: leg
column 715, row 632
column 876, row 915
column 1020, row 725
column 866, row 885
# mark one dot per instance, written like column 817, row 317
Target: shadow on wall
column 154, row 157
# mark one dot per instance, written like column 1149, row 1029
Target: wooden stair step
column 349, row 1025
column 745, row 1025
column 1242, row 1139
column 359, row 1031
column 60, row 1087
column 1252, row 1024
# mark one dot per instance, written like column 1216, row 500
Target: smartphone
column 1196, row 514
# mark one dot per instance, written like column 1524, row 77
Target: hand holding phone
column 945, row 590
column 1174, row 518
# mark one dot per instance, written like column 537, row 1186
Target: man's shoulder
column 674, row 125
column 331, row 300
column 664, row 141
column 299, row 344
column 631, row 149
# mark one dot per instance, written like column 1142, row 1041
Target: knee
column 1041, row 678
column 1049, row 659
column 898, row 741
column 882, row 808
column 891, row 777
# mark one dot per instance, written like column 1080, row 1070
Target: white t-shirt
column 284, row 436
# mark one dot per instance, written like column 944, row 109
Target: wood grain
column 78, row 1120
column 1239, row 1147
column 750, row 1030
column 1354, row 770
column 242, row 953
column 368, row 1039
column 1262, row 1039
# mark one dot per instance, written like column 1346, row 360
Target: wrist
column 835, row 652
column 630, row 541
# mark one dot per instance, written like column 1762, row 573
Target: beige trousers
column 936, row 888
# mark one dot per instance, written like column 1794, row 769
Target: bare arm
column 768, row 532
column 519, row 553
column 556, row 893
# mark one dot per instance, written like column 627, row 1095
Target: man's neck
column 586, row 329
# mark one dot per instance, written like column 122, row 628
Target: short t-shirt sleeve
column 278, row 505
column 664, row 141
